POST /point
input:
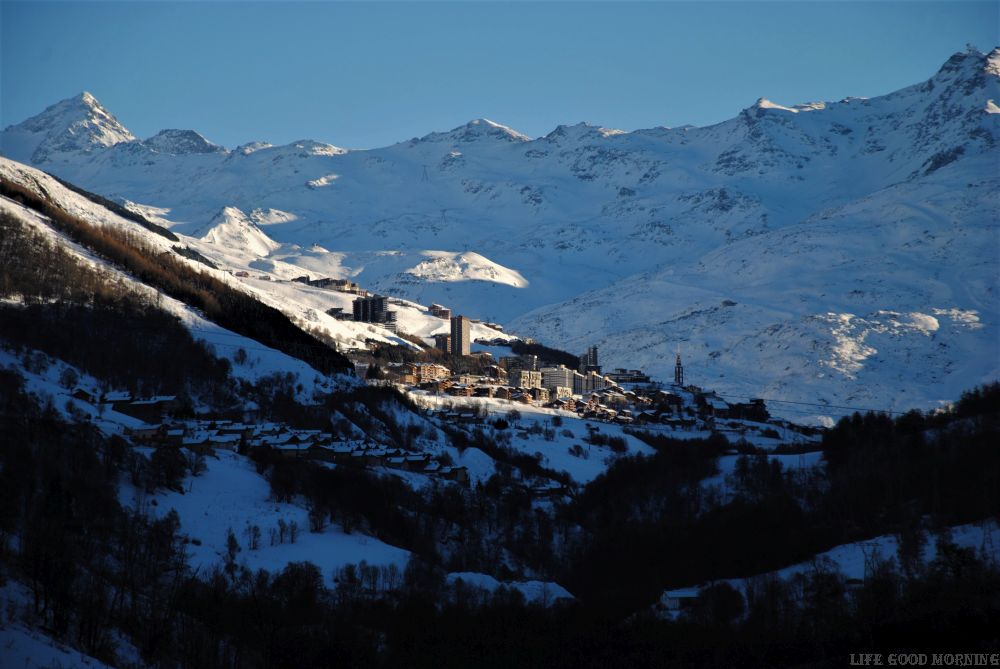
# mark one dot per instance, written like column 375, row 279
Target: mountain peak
column 232, row 228
column 477, row 129
column 581, row 130
column 75, row 125
column 993, row 62
column 181, row 142
column 971, row 62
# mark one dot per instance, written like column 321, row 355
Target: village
column 487, row 387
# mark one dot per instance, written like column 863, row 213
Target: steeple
column 678, row 371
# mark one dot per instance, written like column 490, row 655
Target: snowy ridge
column 802, row 215
column 232, row 228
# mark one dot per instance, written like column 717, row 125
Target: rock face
column 841, row 251
column 181, row 142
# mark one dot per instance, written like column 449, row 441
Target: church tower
column 678, row 372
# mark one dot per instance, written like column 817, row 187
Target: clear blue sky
column 368, row 74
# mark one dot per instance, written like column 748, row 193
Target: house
column 547, row 490
column 540, row 394
column 754, row 410
column 290, row 449
column 427, row 371
column 499, row 374
column 456, row 474
column 149, row 410
column 679, row 599
column 665, row 398
column 417, row 462
column 83, row 395
column 440, row 311
column 710, row 404
column 243, row 274
column 460, row 390
column 369, row 458
column 146, row 435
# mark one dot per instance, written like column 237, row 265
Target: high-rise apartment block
column 460, row 335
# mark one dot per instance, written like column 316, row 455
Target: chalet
column 440, row 311
column 341, row 453
column 396, row 463
column 646, row 417
column 242, row 274
column 339, row 314
column 710, row 404
column 457, row 474
column 665, row 398
column 564, row 403
column 436, row 386
column 754, row 410
column 460, row 390
column 369, row 458
column 150, row 410
column 239, row 429
column 198, row 442
column 83, row 395
column 679, row 599
column 522, row 397
column 290, row 449
column 319, row 452
column 462, row 417
column 417, row 462
column 539, row 394
column 408, row 463
column 547, row 490
column 497, row 373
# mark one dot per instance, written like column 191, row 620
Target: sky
column 364, row 75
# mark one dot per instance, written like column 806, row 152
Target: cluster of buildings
column 375, row 309
column 340, row 285
column 208, row 435
column 623, row 396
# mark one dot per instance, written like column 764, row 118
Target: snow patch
column 447, row 266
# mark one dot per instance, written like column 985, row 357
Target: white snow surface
column 542, row 592
column 851, row 559
column 794, row 252
column 232, row 495
column 26, row 648
column 855, row 560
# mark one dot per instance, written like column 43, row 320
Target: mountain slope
column 817, row 220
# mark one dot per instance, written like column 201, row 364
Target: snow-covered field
column 527, row 434
column 26, row 648
column 231, row 495
column 855, row 560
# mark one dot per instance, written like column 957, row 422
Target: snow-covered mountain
column 844, row 252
